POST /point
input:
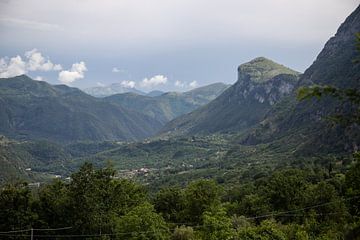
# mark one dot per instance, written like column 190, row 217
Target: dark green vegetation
column 261, row 83
column 168, row 106
column 288, row 204
column 37, row 110
column 32, row 110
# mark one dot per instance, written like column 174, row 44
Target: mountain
column 168, row 105
column 261, row 83
column 333, row 66
column 155, row 93
column 112, row 89
column 37, row 110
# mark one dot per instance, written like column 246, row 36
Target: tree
column 183, row 233
column 170, row 202
column 142, row 222
column 54, row 204
column 352, row 184
column 285, row 189
column 216, row 224
column 267, row 230
column 17, row 208
column 97, row 198
column 199, row 196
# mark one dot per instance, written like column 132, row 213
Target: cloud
column 193, row 84
column 100, row 84
column 115, row 70
column 33, row 61
column 180, row 84
column 39, row 78
column 15, row 67
column 36, row 62
column 154, row 81
column 76, row 72
column 128, row 84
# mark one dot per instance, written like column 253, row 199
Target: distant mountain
column 37, row 110
column 168, row 105
column 112, row 89
column 155, row 93
column 261, row 83
column 307, row 120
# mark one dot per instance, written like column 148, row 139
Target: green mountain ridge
column 115, row 88
column 170, row 105
column 37, row 110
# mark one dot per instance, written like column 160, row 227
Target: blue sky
column 160, row 44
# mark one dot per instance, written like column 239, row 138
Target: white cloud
column 100, row 84
column 76, row 72
column 33, row 61
column 36, row 62
column 115, row 70
column 180, row 84
column 154, row 81
column 128, row 84
column 15, row 67
column 193, row 84
column 39, row 78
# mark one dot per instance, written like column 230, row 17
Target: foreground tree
column 143, row 223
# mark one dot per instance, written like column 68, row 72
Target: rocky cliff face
column 261, row 83
column 309, row 119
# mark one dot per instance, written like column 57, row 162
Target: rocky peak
column 261, row 69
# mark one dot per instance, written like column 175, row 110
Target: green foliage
column 216, row 224
column 286, row 189
column 37, row 110
column 17, row 208
column 142, row 222
column 183, row 233
column 170, row 202
column 268, row 230
column 352, row 183
column 200, row 196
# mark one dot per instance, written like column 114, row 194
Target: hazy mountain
column 155, row 93
column 308, row 119
column 37, row 110
column 112, row 89
column 261, row 83
column 168, row 105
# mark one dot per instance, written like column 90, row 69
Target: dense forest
column 313, row 203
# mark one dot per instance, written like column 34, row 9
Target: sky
column 169, row 45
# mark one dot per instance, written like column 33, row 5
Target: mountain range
column 115, row 88
column 226, row 128
column 37, row 110
column 170, row 105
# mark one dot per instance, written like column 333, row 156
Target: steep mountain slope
column 37, row 110
column 115, row 88
column 333, row 66
column 261, row 83
column 169, row 105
